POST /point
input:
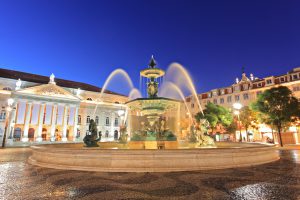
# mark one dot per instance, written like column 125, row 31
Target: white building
column 46, row 109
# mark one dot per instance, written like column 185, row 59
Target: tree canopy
column 277, row 106
column 215, row 115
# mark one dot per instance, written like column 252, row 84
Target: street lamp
column 10, row 102
column 237, row 107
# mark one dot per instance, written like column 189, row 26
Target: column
column 12, row 121
column 75, row 123
column 27, row 120
column 53, row 123
column 65, row 124
column 112, row 123
column 41, row 121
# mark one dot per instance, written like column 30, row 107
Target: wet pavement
column 277, row 180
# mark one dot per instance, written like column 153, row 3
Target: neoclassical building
column 245, row 91
column 46, row 109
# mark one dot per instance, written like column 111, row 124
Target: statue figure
column 123, row 135
column 91, row 139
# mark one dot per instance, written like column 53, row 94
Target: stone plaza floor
column 277, row 180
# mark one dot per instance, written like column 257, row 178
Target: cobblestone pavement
column 277, row 180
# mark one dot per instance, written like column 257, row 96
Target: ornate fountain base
column 70, row 157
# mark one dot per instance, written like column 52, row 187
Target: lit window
column 246, row 96
column 107, row 121
column 88, row 119
column 269, row 81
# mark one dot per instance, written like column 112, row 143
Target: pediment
column 48, row 90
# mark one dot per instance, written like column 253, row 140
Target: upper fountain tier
column 152, row 71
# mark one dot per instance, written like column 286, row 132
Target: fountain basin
column 71, row 157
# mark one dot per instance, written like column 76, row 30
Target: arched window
column 107, row 121
column 97, row 120
column 88, row 119
column 89, row 99
column 7, row 88
column 117, row 102
column 79, row 119
column 116, row 122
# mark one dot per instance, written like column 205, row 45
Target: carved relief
column 49, row 91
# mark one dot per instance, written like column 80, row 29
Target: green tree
column 248, row 118
column 215, row 115
column 278, row 107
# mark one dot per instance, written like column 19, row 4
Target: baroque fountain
column 155, row 132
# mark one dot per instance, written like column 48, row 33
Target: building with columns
column 245, row 91
column 46, row 109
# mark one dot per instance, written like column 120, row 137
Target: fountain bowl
column 112, row 158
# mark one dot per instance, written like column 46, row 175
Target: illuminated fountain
column 154, row 118
column 153, row 122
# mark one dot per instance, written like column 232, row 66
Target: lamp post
column 237, row 107
column 10, row 102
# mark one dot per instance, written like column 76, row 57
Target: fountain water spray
column 189, row 81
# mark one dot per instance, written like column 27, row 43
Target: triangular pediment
column 48, row 90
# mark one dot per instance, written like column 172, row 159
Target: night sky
column 86, row 40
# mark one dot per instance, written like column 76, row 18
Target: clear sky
column 86, row 40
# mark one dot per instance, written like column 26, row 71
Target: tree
column 248, row 118
column 278, row 107
column 215, row 115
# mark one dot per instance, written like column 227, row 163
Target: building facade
column 46, row 109
column 245, row 91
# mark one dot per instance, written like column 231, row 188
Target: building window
column 297, row 88
column 215, row 101
column 236, row 88
column 269, row 81
column 228, row 99
column 88, row 119
column 258, row 93
column 192, row 105
column 259, row 85
column 89, row 99
column 245, row 87
column 97, row 120
column 246, row 96
column 282, row 79
column 79, row 119
column 222, row 91
column 7, row 88
column 2, row 115
column 237, row 97
column 209, row 95
column 295, row 76
column 107, row 121
column 116, row 122
column 106, row 133
column 222, row 100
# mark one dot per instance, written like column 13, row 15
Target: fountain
column 150, row 126
column 153, row 125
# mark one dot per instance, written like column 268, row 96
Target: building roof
column 12, row 74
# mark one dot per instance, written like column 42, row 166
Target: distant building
column 246, row 91
column 48, row 109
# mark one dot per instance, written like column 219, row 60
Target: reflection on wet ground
column 20, row 180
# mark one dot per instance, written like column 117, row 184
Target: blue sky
column 84, row 40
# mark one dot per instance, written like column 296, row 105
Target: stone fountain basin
column 226, row 155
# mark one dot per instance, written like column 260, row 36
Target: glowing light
column 236, row 112
column 10, row 101
column 237, row 106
